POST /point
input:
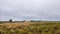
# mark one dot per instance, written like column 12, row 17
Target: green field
column 30, row 28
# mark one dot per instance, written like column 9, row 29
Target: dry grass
column 12, row 25
column 30, row 28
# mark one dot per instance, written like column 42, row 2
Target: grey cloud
column 30, row 9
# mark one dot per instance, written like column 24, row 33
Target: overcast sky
column 30, row 9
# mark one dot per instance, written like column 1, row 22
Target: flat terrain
column 30, row 28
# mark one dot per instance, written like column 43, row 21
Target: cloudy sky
column 30, row 9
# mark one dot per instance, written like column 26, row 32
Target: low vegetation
column 30, row 28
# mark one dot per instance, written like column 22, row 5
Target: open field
column 30, row 28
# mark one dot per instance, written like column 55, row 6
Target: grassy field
column 30, row 28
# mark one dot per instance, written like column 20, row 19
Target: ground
column 30, row 28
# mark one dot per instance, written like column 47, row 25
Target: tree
column 10, row 20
